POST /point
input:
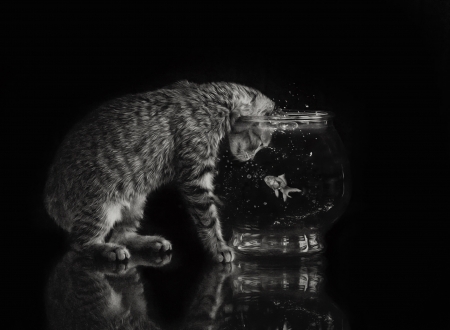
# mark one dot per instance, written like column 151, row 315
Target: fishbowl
column 283, row 181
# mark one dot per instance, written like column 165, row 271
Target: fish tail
column 286, row 190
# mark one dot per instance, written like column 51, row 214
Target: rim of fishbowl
column 293, row 115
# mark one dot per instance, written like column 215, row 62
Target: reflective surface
column 151, row 292
column 293, row 185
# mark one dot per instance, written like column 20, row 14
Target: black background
column 381, row 66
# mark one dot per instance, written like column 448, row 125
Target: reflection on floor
column 151, row 292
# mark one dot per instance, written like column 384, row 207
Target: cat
column 85, row 294
column 128, row 147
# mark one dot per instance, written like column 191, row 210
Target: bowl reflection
column 281, row 295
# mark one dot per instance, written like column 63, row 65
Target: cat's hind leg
column 90, row 228
column 124, row 232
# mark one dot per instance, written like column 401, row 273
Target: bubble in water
column 287, row 125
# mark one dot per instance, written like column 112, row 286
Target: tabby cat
column 130, row 146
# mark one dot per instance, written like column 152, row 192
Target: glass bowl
column 283, row 181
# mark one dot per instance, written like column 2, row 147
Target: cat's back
column 106, row 149
column 125, row 147
column 127, row 120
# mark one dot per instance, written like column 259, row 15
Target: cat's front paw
column 115, row 252
column 224, row 254
column 158, row 243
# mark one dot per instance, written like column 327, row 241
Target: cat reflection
column 88, row 294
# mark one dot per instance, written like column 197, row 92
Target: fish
column 279, row 183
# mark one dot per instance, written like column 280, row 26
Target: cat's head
column 246, row 138
column 250, row 102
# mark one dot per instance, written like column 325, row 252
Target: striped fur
column 132, row 145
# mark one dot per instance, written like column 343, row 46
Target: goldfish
column 279, row 183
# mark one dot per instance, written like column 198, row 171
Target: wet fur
column 130, row 146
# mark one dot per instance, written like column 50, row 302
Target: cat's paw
column 158, row 243
column 115, row 252
column 112, row 269
column 224, row 253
